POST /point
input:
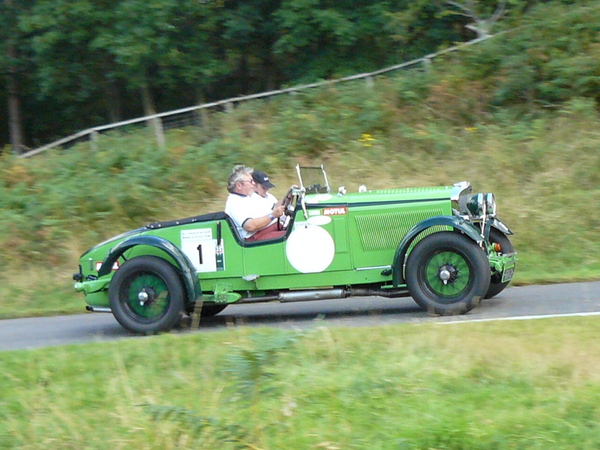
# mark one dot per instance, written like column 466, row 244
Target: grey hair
column 237, row 174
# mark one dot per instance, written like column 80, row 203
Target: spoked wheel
column 447, row 273
column 496, row 284
column 146, row 295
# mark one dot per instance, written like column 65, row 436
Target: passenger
column 262, row 184
column 253, row 221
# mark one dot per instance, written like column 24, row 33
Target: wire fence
column 191, row 116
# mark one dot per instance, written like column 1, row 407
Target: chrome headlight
column 490, row 203
column 482, row 204
column 475, row 205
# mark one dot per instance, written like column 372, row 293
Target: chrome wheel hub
column 143, row 297
column 447, row 274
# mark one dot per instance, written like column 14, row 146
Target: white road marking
column 542, row 316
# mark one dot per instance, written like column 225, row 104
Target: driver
column 253, row 221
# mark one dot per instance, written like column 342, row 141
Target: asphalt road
column 514, row 303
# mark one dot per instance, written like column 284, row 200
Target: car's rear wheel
column 496, row 284
column 447, row 273
column 146, row 295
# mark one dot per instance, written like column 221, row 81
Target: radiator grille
column 385, row 231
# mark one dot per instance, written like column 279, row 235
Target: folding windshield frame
column 311, row 178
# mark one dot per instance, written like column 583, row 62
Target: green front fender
column 188, row 271
column 457, row 223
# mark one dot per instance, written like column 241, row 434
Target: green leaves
column 550, row 60
column 251, row 366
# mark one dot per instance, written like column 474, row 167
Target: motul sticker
column 337, row 211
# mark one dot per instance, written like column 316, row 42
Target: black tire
column 456, row 258
column 146, row 295
column 211, row 309
column 496, row 285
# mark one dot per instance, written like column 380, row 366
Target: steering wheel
column 289, row 207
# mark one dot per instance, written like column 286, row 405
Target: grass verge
column 525, row 384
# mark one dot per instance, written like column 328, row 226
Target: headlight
column 475, row 205
column 490, row 202
column 481, row 204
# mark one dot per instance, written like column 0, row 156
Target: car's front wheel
column 447, row 273
column 146, row 295
column 496, row 284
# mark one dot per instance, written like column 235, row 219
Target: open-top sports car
column 443, row 246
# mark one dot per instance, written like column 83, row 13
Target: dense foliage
column 74, row 64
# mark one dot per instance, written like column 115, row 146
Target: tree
column 472, row 9
column 97, row 57
column 550, row 59
column 10, row 65
column 158, row 44
column 249, row 33
column 327, row 38
column 69, row 71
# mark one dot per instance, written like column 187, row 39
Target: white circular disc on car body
column 310, row 249
column 319, row 220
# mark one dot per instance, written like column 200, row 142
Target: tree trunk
column 15, row 120
column 201, row 114
column 150, row 110
column 114, row 104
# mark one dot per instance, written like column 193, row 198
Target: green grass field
column 495, row 385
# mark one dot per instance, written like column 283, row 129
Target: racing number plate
column 508, row 273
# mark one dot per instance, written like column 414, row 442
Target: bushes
column 553, row 56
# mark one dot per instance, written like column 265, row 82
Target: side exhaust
column 326, row 294
column 97, row 309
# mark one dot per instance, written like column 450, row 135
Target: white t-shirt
column 242, row 208
column 265, row 204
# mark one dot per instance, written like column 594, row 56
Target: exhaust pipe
column 327, row 294
column 97, row 309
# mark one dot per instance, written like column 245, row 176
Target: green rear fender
column 457, row 223
column 190, row 277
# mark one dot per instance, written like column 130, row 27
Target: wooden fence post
column 159, row 132
column 94, row 137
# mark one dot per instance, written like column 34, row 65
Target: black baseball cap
column 262, row 179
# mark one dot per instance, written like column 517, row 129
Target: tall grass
column 457, row 386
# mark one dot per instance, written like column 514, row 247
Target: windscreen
column 314, row 180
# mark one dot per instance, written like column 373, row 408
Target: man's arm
column 259, row 223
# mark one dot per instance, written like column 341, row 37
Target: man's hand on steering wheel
column 289, row 207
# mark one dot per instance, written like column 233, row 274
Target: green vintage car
column 443, row 246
